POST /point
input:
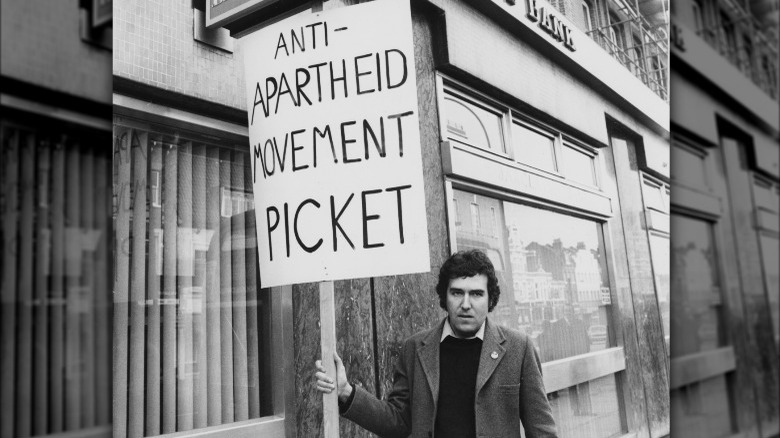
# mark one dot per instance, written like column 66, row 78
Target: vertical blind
column 191, row 340
column 56, row 322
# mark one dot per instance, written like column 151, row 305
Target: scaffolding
column 745, row 42
column 646, row 54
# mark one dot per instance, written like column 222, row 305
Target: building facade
column 545, row 143
column 55, row 203
column 725, row 152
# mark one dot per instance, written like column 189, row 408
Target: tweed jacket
column 509, row 390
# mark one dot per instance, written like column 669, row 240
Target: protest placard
column 335, row 146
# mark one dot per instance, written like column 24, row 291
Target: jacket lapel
column 428, row 352
column 487, row 363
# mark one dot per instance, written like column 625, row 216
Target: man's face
column 467, row 304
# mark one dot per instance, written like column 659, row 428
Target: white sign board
column 335, row 145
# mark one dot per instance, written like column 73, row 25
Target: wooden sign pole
column 330, row 406
column 330, row 402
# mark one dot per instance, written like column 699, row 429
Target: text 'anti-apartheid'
column 328, row 80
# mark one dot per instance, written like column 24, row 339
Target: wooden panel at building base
column 647, row 317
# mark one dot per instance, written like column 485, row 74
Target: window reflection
column 694, row 279
column 552, row 272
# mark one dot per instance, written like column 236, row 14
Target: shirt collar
column 448, row 331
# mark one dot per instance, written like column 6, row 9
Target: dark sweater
column 458, row 365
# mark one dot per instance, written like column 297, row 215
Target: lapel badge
column 494, row 355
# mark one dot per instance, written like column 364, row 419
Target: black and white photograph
column 390, row 218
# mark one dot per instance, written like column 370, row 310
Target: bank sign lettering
column 550, row 23
column 335, row 145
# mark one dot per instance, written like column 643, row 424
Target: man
column 465, row 377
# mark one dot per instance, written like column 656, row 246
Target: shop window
column 196, row 338
column 701, row 407
column 556, row 274
column 473, row 124
column 702, row 361
column 467, row 120
column 578, row 165
column 55, row 195
column 533, row 147
column 551, row 265
column 697, row 296
column 552, row 272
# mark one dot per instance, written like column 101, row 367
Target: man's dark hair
column 468, row 264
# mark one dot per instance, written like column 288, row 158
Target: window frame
column 510, row 116
column 485, row 103
column 728, row 30
column 586, row 12
column 591, row 152
column 617, row 31
column 571, row 371
column 664, row 188
column 638, row 53
column 698, row 16
column 539, row 129
column 700, row 152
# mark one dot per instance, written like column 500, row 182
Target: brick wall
column 40, row 44
column 153, row 44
